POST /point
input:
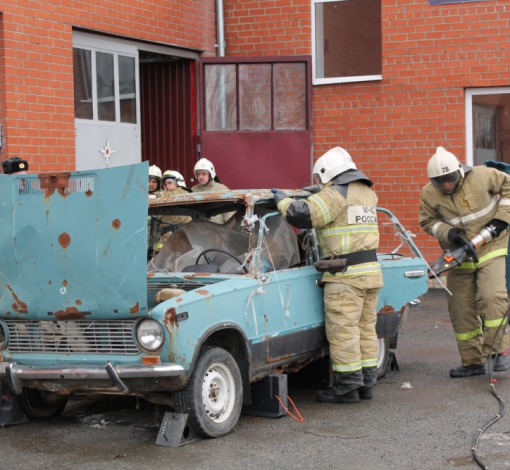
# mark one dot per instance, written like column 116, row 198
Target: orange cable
column 300, row 419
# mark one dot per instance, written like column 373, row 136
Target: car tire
column 213, row 396
column 38, row 404
column 383, row 356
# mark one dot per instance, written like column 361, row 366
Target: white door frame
column 469, row 114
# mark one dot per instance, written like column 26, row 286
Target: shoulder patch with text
column 361, row 215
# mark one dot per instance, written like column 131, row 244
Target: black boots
column 365, row 393
column 502, row 363
column 466, row 371
column 330, row 395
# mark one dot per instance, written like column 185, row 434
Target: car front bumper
column 14, row 374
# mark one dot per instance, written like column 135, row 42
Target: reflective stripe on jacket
column 344, row 225
column 483, row 194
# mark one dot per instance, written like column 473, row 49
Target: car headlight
column 150, row 334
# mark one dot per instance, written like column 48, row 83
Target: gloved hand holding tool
column 450, row 259
column 499, row 226
column 453, row 235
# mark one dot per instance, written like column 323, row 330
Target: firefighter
column 343, row 210
column 172, row 182
column 460, row 201
column 154, row 179
column 208, row 181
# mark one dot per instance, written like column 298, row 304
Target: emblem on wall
column 107, row 153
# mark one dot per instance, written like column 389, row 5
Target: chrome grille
column 77, row 336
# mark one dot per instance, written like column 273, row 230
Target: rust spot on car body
column 70, row 313
column 386, row 310
column 179, row 300
column 64, row 283
column 171, row 319
column 63, row 192
column 20, row 304
column 78, row 302
column 51, row 181
column 202, row 292
column 150, row 274
column 88, row 193
column 64, row 239
column 116, row 224
column 135, row 309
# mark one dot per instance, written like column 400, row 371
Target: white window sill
column 328, row 81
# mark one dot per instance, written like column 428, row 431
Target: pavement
column 428, row 425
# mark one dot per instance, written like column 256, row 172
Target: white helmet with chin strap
column 174, row 175
column 204, row 165
column 333, row 163
column 155, row 172
column 444, row 167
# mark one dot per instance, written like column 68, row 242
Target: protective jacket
column 344, row 214
column 479, row 299
column 483, row 194
column 214, row 186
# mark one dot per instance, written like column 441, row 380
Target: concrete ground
column 428, row 426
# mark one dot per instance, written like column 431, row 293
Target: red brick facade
column 36, row 63
column 431, row 54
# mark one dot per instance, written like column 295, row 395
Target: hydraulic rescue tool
column 450, row 259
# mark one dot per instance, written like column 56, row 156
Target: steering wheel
column 204, row 254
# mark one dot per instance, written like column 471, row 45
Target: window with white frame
column 104, row 86
column 346, row 41
column 487, row 125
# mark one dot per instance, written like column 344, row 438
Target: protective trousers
column 350, row 328
column 477, row 307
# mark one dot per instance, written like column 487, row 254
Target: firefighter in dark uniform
column 344, row 213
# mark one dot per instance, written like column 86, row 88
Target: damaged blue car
column 84, row 310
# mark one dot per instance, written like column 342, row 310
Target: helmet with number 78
column 334, row 162
column 444, row 170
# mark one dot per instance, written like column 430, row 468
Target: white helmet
column 443, row 167
column 204, row 165
column 155, row 172
column 333, row 163
column 173, row 175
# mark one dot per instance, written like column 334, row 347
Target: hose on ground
column 491, row 363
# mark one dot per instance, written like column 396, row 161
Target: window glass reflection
column 105, row 87
column 82, row 72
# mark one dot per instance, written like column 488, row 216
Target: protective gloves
column 313, row 189
column 453, row 235
column 278, row 195
column 499, row 226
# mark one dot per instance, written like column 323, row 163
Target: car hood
column 74, row 244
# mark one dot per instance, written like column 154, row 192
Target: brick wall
column 36, row 71
column 391, row 127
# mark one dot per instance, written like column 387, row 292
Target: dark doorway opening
column 168, row 112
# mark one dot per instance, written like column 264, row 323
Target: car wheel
column 38, row 404
column 213, row 396
column 383, row 356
